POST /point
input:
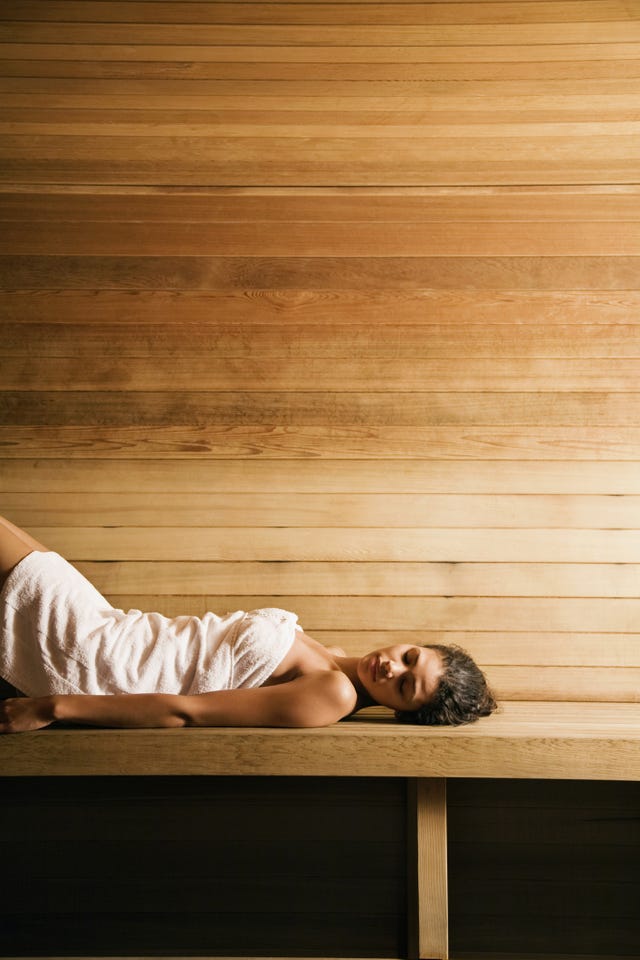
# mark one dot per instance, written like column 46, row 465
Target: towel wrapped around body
column 58, row 634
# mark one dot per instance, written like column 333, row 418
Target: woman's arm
column 313, row 700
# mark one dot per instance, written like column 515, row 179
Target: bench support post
column 427, row 862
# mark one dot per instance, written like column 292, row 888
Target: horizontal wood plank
column 428, row 614
column 623, row 29
column 172, row 374
column 345, row 239
column 143, row 509
column 362, row 544
column 95, row 51
column 596, row 684
column 293, row 67
column 313, row 161
column 450, row 106
column 37, row 272
column 264, row 442
column 161, row 11
column 346, row 579
column 217, row 205
column 576, row 741
column 299, row 475
column 504, row 648
column 40, row 171
column 328, row 153
column 312, row 408
column 430, row 309
column 434, row 341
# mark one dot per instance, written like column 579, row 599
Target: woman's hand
column 20, row 714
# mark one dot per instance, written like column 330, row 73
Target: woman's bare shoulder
column 324, row 689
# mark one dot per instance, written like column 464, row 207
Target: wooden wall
column 334, row 307
column 281, row 866
column 194, row 866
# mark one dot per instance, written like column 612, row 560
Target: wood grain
column 331, row 341
column 334, row 308
column 521, row 11
column 363, row 544
column 617, row 27
column 300, row 475
column 595, row 741
column 427, row 859
column 615, row 274
column 266, row 443
column 570, row 205
column 348, row 239
column 264, row 508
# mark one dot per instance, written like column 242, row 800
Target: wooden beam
column 427, row 864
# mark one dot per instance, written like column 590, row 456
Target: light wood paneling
column 367, row 544
column 321, row 509
column 555, row 63
column 238, row 475
column 344, row 238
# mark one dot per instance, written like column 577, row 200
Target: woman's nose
column 389, row 668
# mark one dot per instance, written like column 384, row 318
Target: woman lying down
column 74, row 657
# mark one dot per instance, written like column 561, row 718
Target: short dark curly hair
column 463, row 694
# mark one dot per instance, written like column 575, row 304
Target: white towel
column 58, row 634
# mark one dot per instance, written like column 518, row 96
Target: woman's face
column 402, row 677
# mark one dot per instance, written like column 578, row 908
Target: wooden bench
column 547, row 740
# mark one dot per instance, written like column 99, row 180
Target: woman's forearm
column 120, row 710
column 313, row 700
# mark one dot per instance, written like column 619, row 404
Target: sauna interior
column 330, row 307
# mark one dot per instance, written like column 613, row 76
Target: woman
column 74, row 657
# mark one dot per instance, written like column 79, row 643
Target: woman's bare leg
column 15, row 544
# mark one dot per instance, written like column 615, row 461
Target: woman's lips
column 374, row 668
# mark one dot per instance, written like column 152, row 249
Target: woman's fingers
column 21, row 714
